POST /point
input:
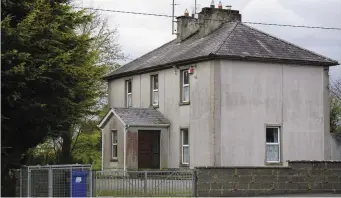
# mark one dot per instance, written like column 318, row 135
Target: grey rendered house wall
column 108, row 163
column 231, row 102
column 254, row 95
column 194, row 116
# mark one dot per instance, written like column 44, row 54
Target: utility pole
column 173, row 20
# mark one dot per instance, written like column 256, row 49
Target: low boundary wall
column 297, row 177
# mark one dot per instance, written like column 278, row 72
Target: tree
column 49, row 75
column 104, row 43
column 105, row 40
column 336, row 89
column 335, row 107
column 85, row 149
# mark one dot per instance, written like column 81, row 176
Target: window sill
column 113, row 160
column 184, row 165
column 155, row 106
column 184, row 103
column 273, row 163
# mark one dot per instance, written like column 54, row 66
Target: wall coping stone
column 242, row 167
column 314, row 161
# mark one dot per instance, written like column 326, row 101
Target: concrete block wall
column 297, row 177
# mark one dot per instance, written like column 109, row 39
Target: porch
column 135, row 139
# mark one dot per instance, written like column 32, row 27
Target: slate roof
column 233, row 40
column 141, row 116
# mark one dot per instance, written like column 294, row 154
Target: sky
column 140, row 34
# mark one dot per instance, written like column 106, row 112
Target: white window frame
column 114, row 144
column 272, row 143
column 184, row 145
column 129, row 93
column 155, row 90
column 183, row 85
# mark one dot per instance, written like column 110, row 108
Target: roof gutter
column 213, row 56
column 158, row 67
column 148, row 125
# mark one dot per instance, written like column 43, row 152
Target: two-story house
column 221, row 93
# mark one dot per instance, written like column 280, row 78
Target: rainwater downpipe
column 102, row 168
column 125, row 148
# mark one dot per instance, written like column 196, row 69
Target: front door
column 149, row 149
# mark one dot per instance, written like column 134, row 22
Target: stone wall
column 297, row 177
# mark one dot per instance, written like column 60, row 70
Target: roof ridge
column 289, row 43
column 236, row 24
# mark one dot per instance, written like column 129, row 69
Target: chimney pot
column 212, row 4
column 220, row 6
column 186, row 13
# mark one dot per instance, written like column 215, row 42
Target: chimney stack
column 186, row 26
column 208, row 21
column 212, row 18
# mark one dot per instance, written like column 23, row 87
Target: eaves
column 226, row 57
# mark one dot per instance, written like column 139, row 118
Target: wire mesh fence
column 145, row 183
column 56, row 181
column 81, row 181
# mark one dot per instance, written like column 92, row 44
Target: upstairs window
column 184, row 86
column 128, row 94
column 184, row 146
column 114, row 144
column 155, row 90
column 273, row 145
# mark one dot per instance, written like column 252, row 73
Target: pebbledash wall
column 297, row 177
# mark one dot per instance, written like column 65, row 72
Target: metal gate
column 56, row 181
column 145, row 183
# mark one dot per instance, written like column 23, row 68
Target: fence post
column 94, row 184
column 20, row 182
column 194, row 183
column 70, row 184
column 145, row 183
column 91, row 179
column 50, row 182
column 28, row 182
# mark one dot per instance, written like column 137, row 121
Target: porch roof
column 148, row 117
column 141, row 116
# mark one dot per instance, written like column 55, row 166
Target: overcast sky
column 140, row 34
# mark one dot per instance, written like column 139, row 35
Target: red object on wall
column 191, row 70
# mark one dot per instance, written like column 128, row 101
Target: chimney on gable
column 186, row 26
column 211, row 19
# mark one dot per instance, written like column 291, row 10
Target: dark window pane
column 114, row 151
column 114, row 137
column 185, row 76
column 156, row 82
column 272, row 135
column 185, row 136
column 129, row 86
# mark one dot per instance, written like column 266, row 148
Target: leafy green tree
column 85, row 149
column 50, row 78
column 104, row 42
column 335, row 107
